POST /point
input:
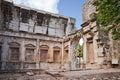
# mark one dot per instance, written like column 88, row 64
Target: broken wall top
column 35, row 21
column 88, row 9
column 37, row 10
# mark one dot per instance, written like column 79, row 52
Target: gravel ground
column 101, row 74
column 88, row 72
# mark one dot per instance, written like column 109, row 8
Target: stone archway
column 73, row 41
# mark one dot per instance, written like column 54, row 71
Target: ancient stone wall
column 16, row 51
column 32, row 39
column 95, row 41
column 24, row 19
column 114, row 50
column 87, row 10
column 100, row 49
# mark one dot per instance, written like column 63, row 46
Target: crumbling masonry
column 100, row 50
column 35, row 39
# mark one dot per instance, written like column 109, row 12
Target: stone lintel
column 85, row 23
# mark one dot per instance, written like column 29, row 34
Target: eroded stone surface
column 34, row 39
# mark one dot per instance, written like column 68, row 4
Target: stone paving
column 101, row 74
column 88, row 72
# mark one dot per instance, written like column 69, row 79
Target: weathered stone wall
column 114, row 50
column 70, row 50
column 87, row 10
column 1, row 15
column 32, row 39
column 90, row 36
column 91, row 49
column 71, row 26
column 27, row 43
column 101, row 46
column 19, row 18
column 95, row 41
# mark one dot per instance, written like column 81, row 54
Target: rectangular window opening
column 7, row 12
column 25, row 16
column 14, row 54
column 40, row 19
column 43, row 55
column 56, row 55
column 29, row 55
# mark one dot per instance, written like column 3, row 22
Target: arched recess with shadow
column 56, row 54
column 29, row 52
column 14, row 51
column 66, row 52
column 43, row 53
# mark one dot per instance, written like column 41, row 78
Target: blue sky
column 70, row 8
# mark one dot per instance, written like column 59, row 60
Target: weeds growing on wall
column 109, row 16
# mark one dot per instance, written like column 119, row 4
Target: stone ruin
column 100, row 49
column 35, row 39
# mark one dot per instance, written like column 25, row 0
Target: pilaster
column 22, row 52
column 4, row 54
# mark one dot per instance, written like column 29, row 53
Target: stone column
column 37, row 53
column 50, row 57
column 62, row 65
column 22, row 52
column 50, row 53
column 95, row 50
column 71, row 63
column 4, row 54
column 84, row 50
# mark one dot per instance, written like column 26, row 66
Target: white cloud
column 47, row 5
column 81, row 41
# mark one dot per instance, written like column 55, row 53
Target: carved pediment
column 44, row 47
column 30, row 46
column 14, row 44
column 56, row 48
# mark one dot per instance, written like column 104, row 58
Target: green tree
column 109, row 16
column 79, row 51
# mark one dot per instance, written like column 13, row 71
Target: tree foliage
column 108, row 14
column 79, row 51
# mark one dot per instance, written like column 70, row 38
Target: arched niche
column 43, row 53
column 56, row 54
column 14, row 51
column 29, row 52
